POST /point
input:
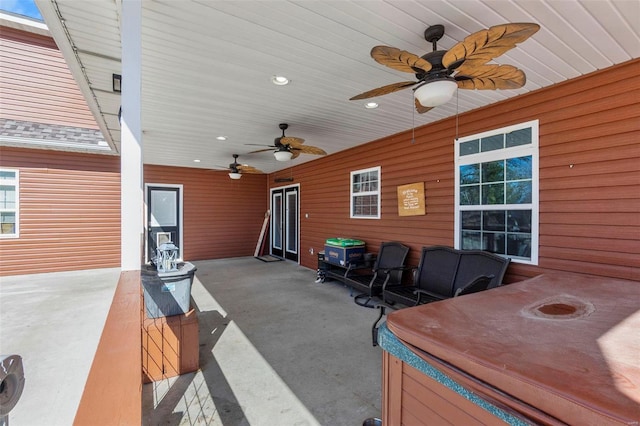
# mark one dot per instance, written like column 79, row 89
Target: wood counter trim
column 113, row 391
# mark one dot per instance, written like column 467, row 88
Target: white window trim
column 378, row 192
column 16, row 184
column 516, row 151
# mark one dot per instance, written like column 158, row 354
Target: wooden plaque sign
column 411, row 199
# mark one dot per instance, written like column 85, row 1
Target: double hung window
column 8, row 203
column 497, row 192
column 365, row 193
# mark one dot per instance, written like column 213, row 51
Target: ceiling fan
column 236, row 170
column 287, row 147
column 464, row 66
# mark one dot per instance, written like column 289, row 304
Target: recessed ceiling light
column 371, row 105
column 196, row 161
column 280, row 80
column 222, row 138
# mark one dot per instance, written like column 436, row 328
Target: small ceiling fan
column 287, row 147
column 236, row 170
column 440, row 72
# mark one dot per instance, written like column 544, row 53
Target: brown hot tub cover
column 565, row 344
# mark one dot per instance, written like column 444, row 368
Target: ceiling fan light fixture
column 436, row 92
column 234, row 175
column 283, row 155
column 371, row 105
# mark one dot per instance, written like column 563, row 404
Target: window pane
column 493, row 193
column 519, row 192
column 493, row 242
column 519, row 137
column 471, row 240
column 519, row 168
column 493, row 171
column 7, row 196
column 519, row 221
column 471, row 220
column 470, row 147
column 493, row 220
column 469, row 174
column 519, row 245
column 470, row 195
column 7, row 223
column 6, row 175
column 492, row 143
column 365, row 205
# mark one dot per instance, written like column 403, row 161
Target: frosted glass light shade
column 235, row 175
column 283, row 155
column 436, row 92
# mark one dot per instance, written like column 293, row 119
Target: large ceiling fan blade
column 490, row 77
column 291, row 141
column 308, row 149
column 384, row 90
column 483, row 46
column 262, row 150
column 244, row 168
column 420, row 108
column 400, row 60
column 295, row 153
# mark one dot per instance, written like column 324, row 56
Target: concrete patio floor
column 276, row 348
column 54, row 322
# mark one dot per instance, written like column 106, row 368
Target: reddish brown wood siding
column 222, row 217
column 412, row 398
column 589, row 178
column 36, row 84
column 69, row 212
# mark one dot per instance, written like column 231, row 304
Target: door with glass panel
column 285, row 222
column 163, row 218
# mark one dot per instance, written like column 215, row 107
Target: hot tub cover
column 566, row 344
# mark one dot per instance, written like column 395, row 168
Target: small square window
column 365, row 194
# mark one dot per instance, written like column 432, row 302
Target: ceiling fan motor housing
column 437, row 71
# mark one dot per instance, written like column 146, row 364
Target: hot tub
column 555, row 349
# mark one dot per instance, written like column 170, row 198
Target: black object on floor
column 268, row 258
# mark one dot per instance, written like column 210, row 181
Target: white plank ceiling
column 207, row 65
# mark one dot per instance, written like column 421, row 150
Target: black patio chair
column 387, row 270
column 443, row 273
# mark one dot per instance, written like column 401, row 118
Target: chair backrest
column 391, row 255
column 474, row 263
column 437, row 270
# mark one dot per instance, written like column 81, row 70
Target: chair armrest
column 419, row 292
column 479, row 284
column 395, row 268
